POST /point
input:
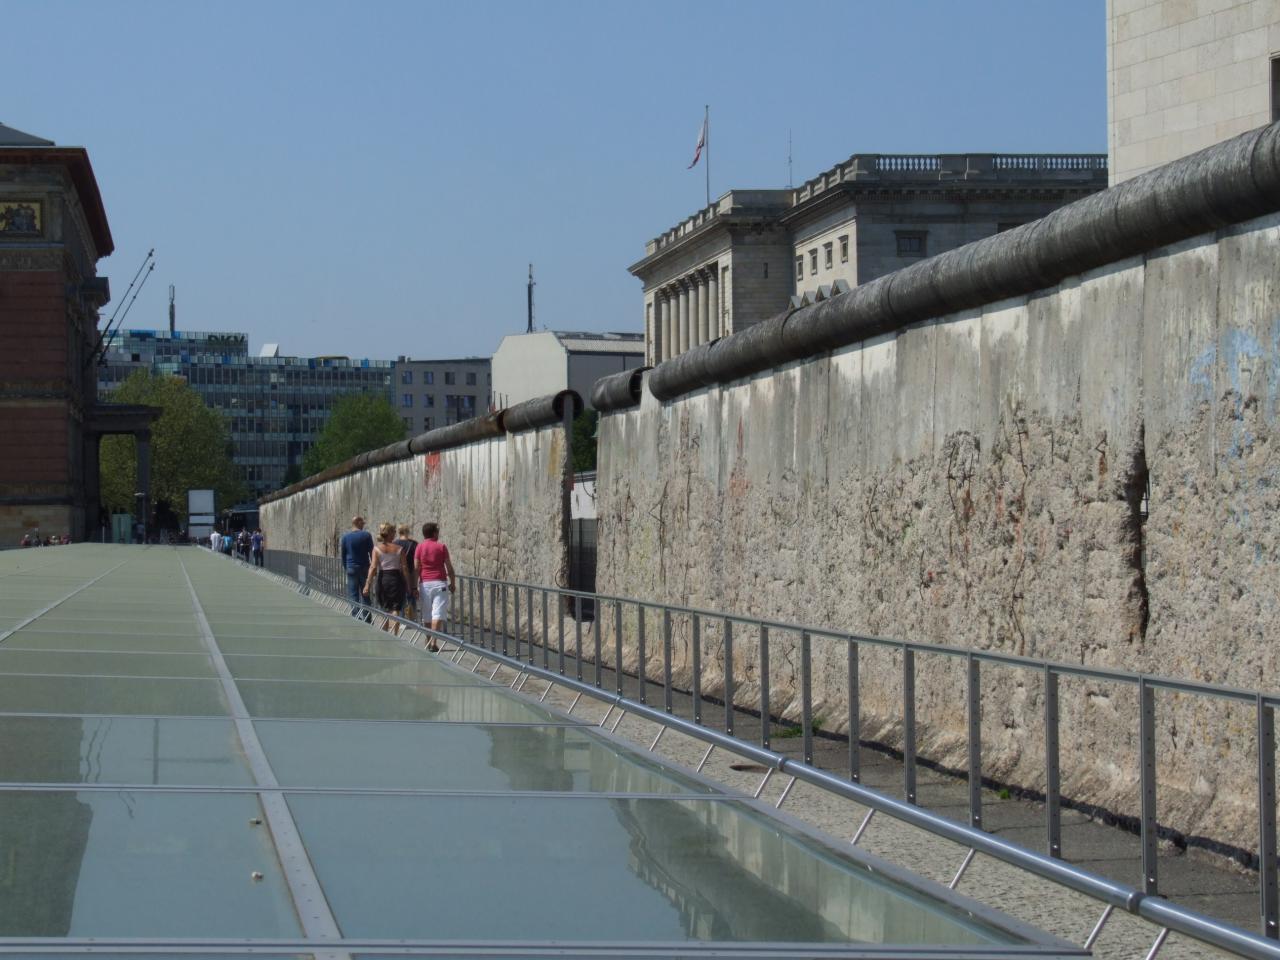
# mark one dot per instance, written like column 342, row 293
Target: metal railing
column 490, row 624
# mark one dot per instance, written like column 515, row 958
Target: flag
column 702, row 142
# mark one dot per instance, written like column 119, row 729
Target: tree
column 359, row 422
column 190, row 448
column 584, row 441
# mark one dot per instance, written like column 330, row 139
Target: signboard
column 199, row 502
column 207, row 519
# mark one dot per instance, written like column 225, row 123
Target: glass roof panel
column 22, row 694
column 139, row 864
column 428, row 756
column 105, row 664
column 37, row 638
column 368, row 669
column 603, row 869
column 132, row 750
column 369, row 701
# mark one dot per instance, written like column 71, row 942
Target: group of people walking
column 398, row 572
column 243, row 545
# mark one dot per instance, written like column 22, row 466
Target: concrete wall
column 978, row 480
column 500, row 504
column 1183, row 75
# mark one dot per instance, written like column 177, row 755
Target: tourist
column 406, row 543
column 390, row 571
column 215, row 540
column 257, row 541
column 356, row 550
column 436, row 578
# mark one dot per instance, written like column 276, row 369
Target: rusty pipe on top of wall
column 1227, row 183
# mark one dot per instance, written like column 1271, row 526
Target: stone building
column 1182, row 76
column 53, row 232
column 436, row 393
column 743, row 258
column 529, row 365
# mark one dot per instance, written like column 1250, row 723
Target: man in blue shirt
column 357, row 553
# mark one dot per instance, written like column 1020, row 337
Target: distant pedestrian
column 356, row 550
column 389, row 572
column 407, row 544
column 436, row 579
column 258, row 542
column 215, row 541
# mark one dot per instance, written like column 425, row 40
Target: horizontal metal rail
column 1144, row 903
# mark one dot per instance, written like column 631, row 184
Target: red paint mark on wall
column 431, row 467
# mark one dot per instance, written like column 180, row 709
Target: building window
column 813, row 262
column 799, row 268
column 471, row 379
column 408, row 422
column 406, row 376
column 1275, row 89
column 844, row 249
column 450, row 379
column 426, row 423
column 429, row 400
column 826, row 255
column 406, row 400
column 428, row 376
column 911, row 243
column 766, row 269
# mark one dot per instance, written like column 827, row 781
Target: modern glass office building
column 275, row 406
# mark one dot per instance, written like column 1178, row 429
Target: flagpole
column 706, row 125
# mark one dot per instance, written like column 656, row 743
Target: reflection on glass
column 458, row 757
column 356, row 701
column 111, row 695
column 603, row 869
column 139, row 864
column 130, row 750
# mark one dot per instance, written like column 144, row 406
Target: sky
column 374, row 179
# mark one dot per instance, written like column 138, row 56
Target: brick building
column 53, row 231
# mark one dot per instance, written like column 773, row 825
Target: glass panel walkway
column 197, row 760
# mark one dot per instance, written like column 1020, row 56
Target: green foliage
column 584, row 441
column 359, row 422
column 190, row 448
column 292, row 474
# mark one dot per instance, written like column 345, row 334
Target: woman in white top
column 390, row 571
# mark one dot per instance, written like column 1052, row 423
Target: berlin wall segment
column 979, row 479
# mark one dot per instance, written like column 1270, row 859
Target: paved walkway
column 192, row 752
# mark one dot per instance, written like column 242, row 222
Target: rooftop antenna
column 173, row 313
column 529, row 327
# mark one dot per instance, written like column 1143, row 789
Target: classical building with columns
column 745, row 257
column 53, row 231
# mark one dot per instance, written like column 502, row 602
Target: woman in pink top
column 435, row 575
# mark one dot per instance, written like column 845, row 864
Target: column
column 682, row 338
column 142, row 498
column 704, row 317
column 713, row 300
column 668, row 304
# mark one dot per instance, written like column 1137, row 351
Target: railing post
column 806, row 695
column 642, row 663
column 697, row 667
column 1052, row 770
column 528, row 609
column 493, row 617
column 504, row 619
column 1147, row 782
column 1267, row 820
column 973, row 690
column 764, row 686
column 595, row 632
column 471, row 611
column 909, row 723
column 617, row 645
column 728, row 676
column 855, row 714
column 666, row 658
column 560, row 629
column 546, row 654
column 577, row 632
column 515, row 617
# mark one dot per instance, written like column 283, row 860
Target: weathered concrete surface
column 978, row 480
column 500, row 504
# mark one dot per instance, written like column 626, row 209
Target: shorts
column 435, row 599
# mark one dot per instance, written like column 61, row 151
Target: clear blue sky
column 373, row 179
